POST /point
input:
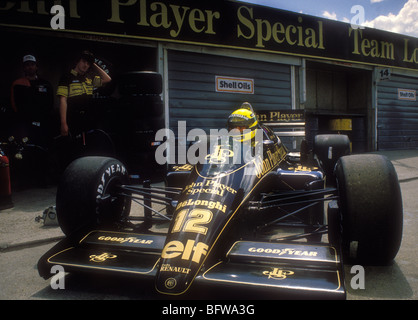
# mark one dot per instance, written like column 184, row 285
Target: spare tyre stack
column 140, row 116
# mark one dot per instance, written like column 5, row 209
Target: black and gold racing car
column 274, row 225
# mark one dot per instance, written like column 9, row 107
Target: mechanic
column 32, row 101
column 75, row 90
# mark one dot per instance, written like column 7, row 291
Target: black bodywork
column 255, row 226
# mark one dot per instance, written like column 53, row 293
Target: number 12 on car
column 192, row 221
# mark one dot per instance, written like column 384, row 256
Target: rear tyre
column 87, row 195
column 371, row 206
column 329, row 148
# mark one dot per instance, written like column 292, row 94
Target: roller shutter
column 192, row 91
column 397, row 119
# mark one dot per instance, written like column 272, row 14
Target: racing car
column 272, row 225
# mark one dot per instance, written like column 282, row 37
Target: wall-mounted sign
column 227, row 24
column 383, row 74
column 281, row 116
column 234, row 85
column 407, row 94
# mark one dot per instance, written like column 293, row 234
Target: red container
column 5, row 186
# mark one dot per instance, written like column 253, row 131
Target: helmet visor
column 238, row 123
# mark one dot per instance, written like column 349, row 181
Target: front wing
column 264, row 270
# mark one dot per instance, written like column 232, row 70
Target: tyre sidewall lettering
column 108, row 174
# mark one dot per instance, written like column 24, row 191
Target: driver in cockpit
column 246, row 125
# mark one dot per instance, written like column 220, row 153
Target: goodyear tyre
column 371, row 206
column 329, row 148
column 87, row 195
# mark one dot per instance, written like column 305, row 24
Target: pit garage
column 338, row 100
column 213, row 56
column 204, row 89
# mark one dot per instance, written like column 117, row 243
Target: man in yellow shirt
column 75, row 90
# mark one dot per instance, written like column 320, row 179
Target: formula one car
column 274, row 225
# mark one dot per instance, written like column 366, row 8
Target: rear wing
column 288, row 125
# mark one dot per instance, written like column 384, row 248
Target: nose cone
column 200, row 218
column 181, row 262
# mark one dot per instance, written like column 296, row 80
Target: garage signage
column 228, row 24
column 407, row 94
column 271, row 116
column 234, row 85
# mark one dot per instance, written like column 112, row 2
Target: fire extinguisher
column 5, row 186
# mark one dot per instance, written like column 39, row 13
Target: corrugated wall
column 397, row 120
column 192, row 94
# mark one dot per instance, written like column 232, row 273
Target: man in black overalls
column 32, row 101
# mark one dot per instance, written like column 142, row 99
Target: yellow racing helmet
column 243, row 119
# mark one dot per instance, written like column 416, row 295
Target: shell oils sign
column 234, row 85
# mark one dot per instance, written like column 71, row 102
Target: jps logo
column 278, row 274
column 219, row 155
column 102, row 257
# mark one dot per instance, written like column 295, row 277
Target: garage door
column 397, row 119
column 192, row 88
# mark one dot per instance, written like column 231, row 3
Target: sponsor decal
column 175, row 249
column 170, row 283
column 209, row 187
column 166, row 267
column 102, row 257
column 220, row 155
column 263, row 166
column 278, row 274
column 112, row 169
column 123, row 239
column 286, row 251
column 205, row 203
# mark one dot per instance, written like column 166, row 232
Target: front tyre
column 88, row 194
column 371, row 206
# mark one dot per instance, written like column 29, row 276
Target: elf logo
column 193, row 250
